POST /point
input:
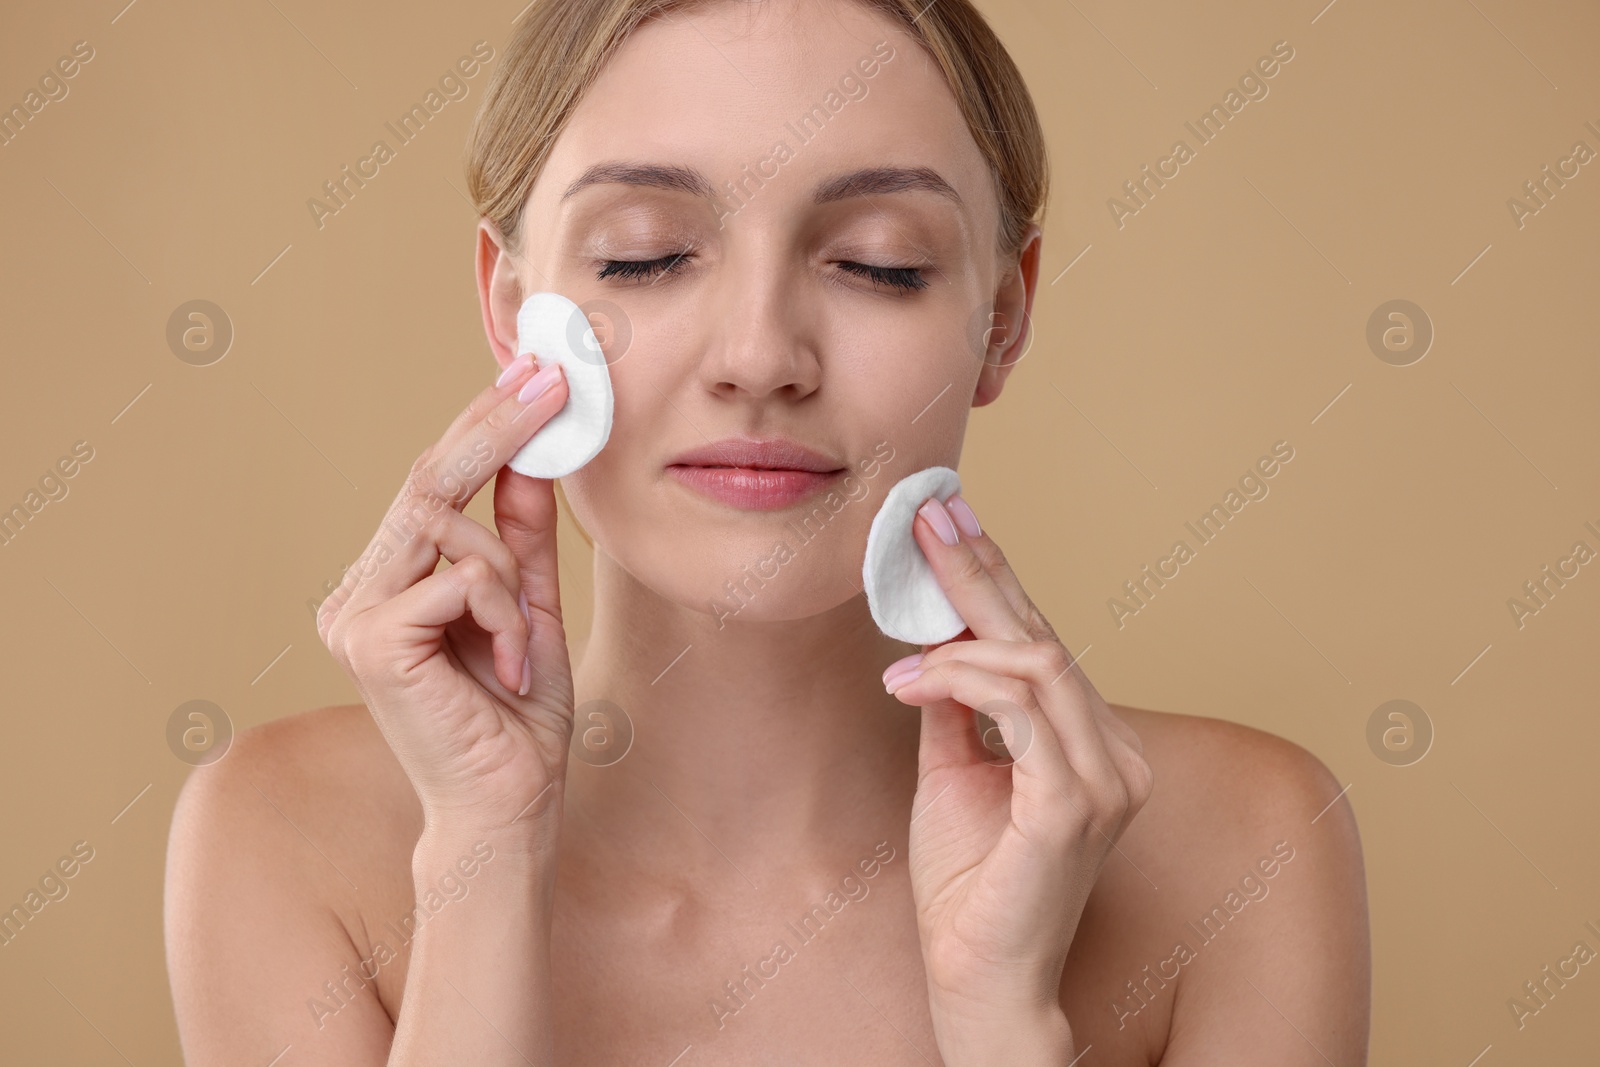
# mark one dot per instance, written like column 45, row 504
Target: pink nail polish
column 965, row 519
column 939, row 519
column 522, row 602
column 899, row 667
column 514, row 368
column 540, row 383
column 527, row 676
column 903, row 680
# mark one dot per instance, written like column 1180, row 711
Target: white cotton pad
column 903, row 593
column 556, row 330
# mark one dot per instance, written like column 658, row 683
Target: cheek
column 914, row 390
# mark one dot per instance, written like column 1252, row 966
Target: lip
column 755, row 474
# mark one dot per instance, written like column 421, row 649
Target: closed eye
column 641, row 269
column 907, row 278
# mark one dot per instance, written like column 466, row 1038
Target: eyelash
column 640, row 269
column 907, row 279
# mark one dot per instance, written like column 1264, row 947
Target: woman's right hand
column 466, row 670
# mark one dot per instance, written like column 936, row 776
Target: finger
column 416, row 549
column 1095, row 739
column 1047, row 664
column 412, row 552
column 994, row 562
column 1120, row 726
column 509, row 384
column 450, row 472
column 1103, row 751
column 1100, row 775
column 949, row 738
column 1074, row 675
column 969, row 587
column 416, row 618
column 1089, row 741
column 1030, row 738
column 525, row 515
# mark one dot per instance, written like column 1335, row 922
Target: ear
column 499, row 291
column 1011, row 324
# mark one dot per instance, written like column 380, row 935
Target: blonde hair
column 560, row 47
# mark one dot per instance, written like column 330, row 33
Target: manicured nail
column 514, row 368
column 902, row 680
column 540, row 383
column 965, row 519
column 899, row 667
column 522, row 602
column 527, row 676
column 939, row 519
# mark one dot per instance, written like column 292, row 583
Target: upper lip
column 758, row 453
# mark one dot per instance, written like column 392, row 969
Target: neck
column 772, row 741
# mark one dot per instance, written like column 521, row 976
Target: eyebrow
column 875, row 180
column 868, row 181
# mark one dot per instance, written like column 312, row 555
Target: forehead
column 718, row 87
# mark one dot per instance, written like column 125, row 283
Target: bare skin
column 971, row 911
column 647, row 933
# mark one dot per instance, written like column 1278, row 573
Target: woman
column 798, row 209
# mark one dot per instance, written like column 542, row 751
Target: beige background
column 1224, row 317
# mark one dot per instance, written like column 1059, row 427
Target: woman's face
column 782, row 230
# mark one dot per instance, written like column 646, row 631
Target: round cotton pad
column 556, row 330
column 903, row 593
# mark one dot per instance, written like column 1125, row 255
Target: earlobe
column 992, row 378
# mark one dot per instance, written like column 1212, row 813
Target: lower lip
column 752, row 489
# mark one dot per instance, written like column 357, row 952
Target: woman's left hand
column 1004, row 851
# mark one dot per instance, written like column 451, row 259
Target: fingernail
column 540, row 383
column 899, row 667
column 903, row 680
column 522, row 602
column 939, row 519
column 965, row 519
column 514, row 368
column 527, row 676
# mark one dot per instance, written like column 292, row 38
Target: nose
column 759, row 343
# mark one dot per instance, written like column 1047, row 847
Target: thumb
column 949, row 738
column 525, row 518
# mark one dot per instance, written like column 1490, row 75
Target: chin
column 779, row 586
column 774, row 574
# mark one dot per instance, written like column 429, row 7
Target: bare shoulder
column 327, row 770
column 1226, row 795
column 277, row 852
column 1219, row 767
column 1262, row 904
